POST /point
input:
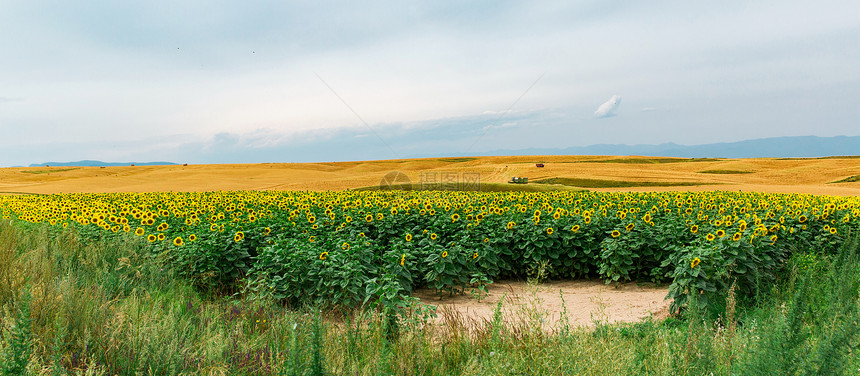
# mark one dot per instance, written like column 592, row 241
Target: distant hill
column 89, row 163
column 773, row 147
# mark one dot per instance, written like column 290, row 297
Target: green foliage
column 16, row 355
column 804, row 322
column 850, row 179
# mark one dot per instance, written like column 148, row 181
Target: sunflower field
column 338, row 248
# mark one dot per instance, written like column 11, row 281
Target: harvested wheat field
column 795, row 175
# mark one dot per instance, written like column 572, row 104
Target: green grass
column 850, row 179
column 482, row 187
column 105, row 306
column 727, row 172
column 37, row 172
column 598, row 183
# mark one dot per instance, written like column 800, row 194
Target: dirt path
column 587, row 302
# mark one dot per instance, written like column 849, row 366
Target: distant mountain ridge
column 91, row 163
column 773, row 147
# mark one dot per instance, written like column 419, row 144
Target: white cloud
column 608, row 108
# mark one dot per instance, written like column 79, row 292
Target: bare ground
column 585, row 302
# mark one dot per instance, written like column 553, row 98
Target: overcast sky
column 246, row 81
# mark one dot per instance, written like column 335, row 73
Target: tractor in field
column 538, row 164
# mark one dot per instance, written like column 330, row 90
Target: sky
column 302, row 81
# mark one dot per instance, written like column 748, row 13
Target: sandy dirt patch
column 587, row 302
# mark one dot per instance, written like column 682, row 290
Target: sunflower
column 369, row 218
column 721, row 233
column 433, row 236
column 140, row 231
column 151, row 238
column 267, row 231
column 511, row 225
column 486, row 240
column 323, row 255
column 455, row 217
column 710, row 237
column 737, row 236
column 177, row 241
column 802, row 218
column 192, row 237
column 344, row 246
column 616, row 233
column 832, row 230
column 575, row 228
column 695, row 263
column 474, row 255
column 587, row 219
column 629, row 226
column 379, row 216
column 444, row 254
column 408, row 237
column 549, row 230
column 312, row 239
column 402, row 259
column 773, row 238
column 556, row 215
column 160, row 236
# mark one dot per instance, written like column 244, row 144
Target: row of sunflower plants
column 333, row 247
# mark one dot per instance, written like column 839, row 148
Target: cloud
column 647, row 109
column 608, row 109
column 8, row 99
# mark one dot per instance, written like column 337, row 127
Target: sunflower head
column 695, row 263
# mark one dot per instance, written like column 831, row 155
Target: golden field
column 797, row 175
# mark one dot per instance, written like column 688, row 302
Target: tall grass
column 110, row 308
